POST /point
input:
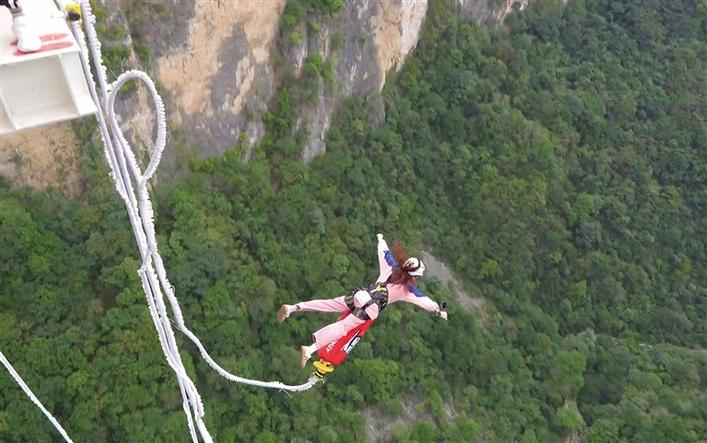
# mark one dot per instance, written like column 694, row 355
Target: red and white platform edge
column 46, row 86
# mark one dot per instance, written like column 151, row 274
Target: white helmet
column 414, row 266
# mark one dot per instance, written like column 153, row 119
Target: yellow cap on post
column 73, row 11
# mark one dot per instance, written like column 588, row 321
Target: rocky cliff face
column 212, row 60
column 216, row 63
column 363, row 42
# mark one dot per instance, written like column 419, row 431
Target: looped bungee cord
column 131, row 183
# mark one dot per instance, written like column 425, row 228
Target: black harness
column 379, row 296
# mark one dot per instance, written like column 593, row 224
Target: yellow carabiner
column 322, row 368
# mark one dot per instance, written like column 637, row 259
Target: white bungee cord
column 32, row 397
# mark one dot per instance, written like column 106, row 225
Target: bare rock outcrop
column 436, row 268
column 375, row 37
column 212, row 61
column 397, row 28
column 489, row 11
column 364, row 41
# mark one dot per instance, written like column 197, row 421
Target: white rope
column 34, row 399
column 187, row 389
column 127, row 177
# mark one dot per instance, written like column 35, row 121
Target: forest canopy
column 557, row 163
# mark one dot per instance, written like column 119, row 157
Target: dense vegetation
column 558, row 163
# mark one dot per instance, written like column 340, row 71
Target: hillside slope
column 556, row 164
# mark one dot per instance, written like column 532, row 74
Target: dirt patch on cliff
column 492, row 12
column 42, row 157
column 436, row 268
column 380, row 426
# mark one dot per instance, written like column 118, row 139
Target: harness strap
column 361, row 314
column 349, row 300
column 379, row 296
column 368, row 303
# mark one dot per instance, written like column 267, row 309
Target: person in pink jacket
column 396, row 282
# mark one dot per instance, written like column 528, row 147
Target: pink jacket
column 409, row 293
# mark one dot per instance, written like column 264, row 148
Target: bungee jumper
column 396, row 282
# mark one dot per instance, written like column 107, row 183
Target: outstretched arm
column 386, row 261
column 417, row 297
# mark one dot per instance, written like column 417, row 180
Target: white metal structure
column 46, row 86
